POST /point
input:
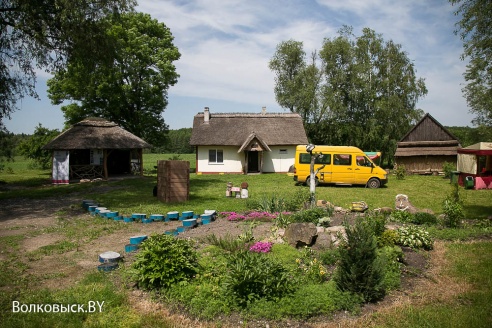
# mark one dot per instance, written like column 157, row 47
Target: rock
column 320, row 229
column 336, row 233
column 323, row 203
column 402, row 203
column 384, row 210
column 301, row 234
column 323, row 241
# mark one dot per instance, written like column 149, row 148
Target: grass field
column 208, row 191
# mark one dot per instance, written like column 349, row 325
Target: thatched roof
column 96, row 134
column 236, row 129
column 428, row 138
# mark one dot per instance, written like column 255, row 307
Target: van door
column 363, row 169
column 342, row 169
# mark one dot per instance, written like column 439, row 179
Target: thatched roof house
column 426, row 147
column 95, row 148
column 246, row 142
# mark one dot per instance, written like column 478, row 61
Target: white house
column 246, row 142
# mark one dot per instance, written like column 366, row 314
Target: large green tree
column 475, row 29
column 32, row 147
column 131, row 89
column 44, row 34
column 359, row 91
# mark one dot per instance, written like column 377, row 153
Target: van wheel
column 308, row 181
column 373, row 183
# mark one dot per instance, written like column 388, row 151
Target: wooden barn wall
column 427, row 130
column 425, row 163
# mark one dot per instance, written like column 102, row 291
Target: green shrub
column 312, row 215
column 271, row 204
column 400, row 172
column 390, row 258
column 424, row 218
column 329, row 256
column 453, row 208
column 163, row 261
column 415, row 237
column 447, row 168
column 388, row 238
column 401, row 216
column 253, row 276
column 310, row 268
column 358, row 269
column 227, row 243
column 297, row 201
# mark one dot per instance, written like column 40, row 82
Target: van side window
column 342, row 159
column 305, row 158
column 363, row 161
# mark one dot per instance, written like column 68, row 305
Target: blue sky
column 226, row 45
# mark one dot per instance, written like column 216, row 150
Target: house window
column 215, row 156
column 282, row 151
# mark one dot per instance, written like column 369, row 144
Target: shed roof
column 427, row 138
column 234, row 129
column 96, row 133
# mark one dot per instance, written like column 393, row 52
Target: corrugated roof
column 96, row 134
column 232, row 129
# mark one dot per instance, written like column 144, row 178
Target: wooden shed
column 95, row 148
column 426, row 147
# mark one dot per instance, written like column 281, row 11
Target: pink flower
column 261, row 247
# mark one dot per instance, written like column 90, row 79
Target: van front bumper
column 384, row 181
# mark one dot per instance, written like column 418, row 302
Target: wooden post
column 105, row 164
column 140, row 159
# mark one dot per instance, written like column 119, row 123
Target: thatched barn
column 246, row 142
column 95, row 148
column 426, row 147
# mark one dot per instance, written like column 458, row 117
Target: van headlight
column 386, row 176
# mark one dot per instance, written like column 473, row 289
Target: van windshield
column 305, row 158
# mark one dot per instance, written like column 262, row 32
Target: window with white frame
column 215, row 156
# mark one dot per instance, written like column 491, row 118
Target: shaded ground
column 38, row 221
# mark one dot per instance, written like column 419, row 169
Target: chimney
column 206, row 115
column 263, row 110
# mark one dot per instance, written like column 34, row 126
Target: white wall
column 274, row 161
column 233, row 161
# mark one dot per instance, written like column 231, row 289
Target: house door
column 253, row 162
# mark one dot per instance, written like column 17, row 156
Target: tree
column 131, row 89
column 362, row 92
column 32, row 147
column 44, row 34
column 475, row 30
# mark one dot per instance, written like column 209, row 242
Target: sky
column 226, row 46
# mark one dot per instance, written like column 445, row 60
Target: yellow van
column 343, row 165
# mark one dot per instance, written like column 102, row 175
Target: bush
column 310, row 268
column 447, row 168
column 401, row 216
column 453, row 208
column 163, row 261
column 415, row 237
column 388, row 238
column 390, row 258
column 358, row 270
column 400, row 172
column 253, row 276
column 424, row 218
column 312, row 215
